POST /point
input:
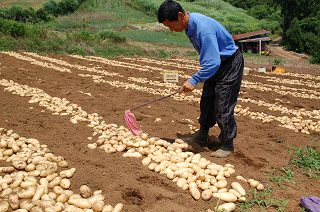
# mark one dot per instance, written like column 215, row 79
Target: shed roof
column 250, row 34
column 255, row 40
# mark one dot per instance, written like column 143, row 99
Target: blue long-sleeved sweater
column 213, row 43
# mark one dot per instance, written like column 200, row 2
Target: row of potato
column 282, row 90
column 308, row 83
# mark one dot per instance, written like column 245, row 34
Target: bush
column 66, row 7
column 24, row 15
column 83, row 35
column 51, row 7
column 112, row 35
column 12, row 28
column 277, row 61
column 17, row 29
column 303, row 36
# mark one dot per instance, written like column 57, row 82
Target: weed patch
column 308, row 159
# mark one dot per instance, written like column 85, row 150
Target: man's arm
column 209, row 59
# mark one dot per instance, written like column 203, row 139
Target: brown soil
column 260, row 147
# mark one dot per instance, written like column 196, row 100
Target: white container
column 262, row 70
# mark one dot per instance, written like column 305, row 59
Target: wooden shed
column 254, row 42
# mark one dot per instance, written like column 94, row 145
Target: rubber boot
column 200, row 137
column 224, row 151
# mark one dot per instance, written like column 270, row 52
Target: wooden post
column 260, row 47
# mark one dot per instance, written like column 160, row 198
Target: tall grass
column 36, row 4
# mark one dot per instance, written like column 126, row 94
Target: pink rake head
column 130, row 119
column 132, row 123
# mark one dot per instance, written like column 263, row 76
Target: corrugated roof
column 250, row 34
column 255, row 40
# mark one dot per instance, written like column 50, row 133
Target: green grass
column 308, row 160
column 103, row 14
column 163, row 37
column 263, row 200
column 23, row 3
column 279, row 176
column 234, row 19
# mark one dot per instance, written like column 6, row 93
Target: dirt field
column 260, row 147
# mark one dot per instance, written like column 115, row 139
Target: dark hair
column 169, row 10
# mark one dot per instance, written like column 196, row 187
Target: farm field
column 274, row 114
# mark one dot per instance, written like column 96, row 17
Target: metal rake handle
column 154, row 100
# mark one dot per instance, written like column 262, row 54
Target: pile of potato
column 80, row 67
column 281, row 90
column 112, row 63
column 165, row 63
column 37, row 180
column 277, row 107
column 304, row 76
column 296, row 123
column 308, row 83
column 37, row 62
column 190, row 171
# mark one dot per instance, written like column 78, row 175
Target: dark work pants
column 219, row 98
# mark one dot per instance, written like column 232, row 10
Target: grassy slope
column 121, row 16
column 125, row 15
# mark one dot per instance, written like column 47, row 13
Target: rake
column 130, row 119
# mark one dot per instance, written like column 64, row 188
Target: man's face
column 175, row 26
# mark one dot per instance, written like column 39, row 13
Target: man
column 221, row 72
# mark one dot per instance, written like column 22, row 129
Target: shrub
column 12, row 28
column 17, row 29
column 277, row 61
column 112, row 35
column 82, row 35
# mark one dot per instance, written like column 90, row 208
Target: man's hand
column 186, row 87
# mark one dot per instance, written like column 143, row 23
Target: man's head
column 172, row 15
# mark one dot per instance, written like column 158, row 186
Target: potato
column 240, row 178
column 27, row 194
column 118, row 207
column 146, row 161
column 80, row 202
column 242, row 199
column 260, row 187
column 20, row 165
column 6, row 169
column 226, row 207
column 107, row 208
column 26, row 204
column 235, row 192
column 195, row 193
column 39, row 192
column 181, row 182
column 206, row 194
column 226, row 196
column 4, row 205
column 85, row 191
column 65, row 183
column 14, row 201
column 221, row 184
column 98, row 205
column 236, row 186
